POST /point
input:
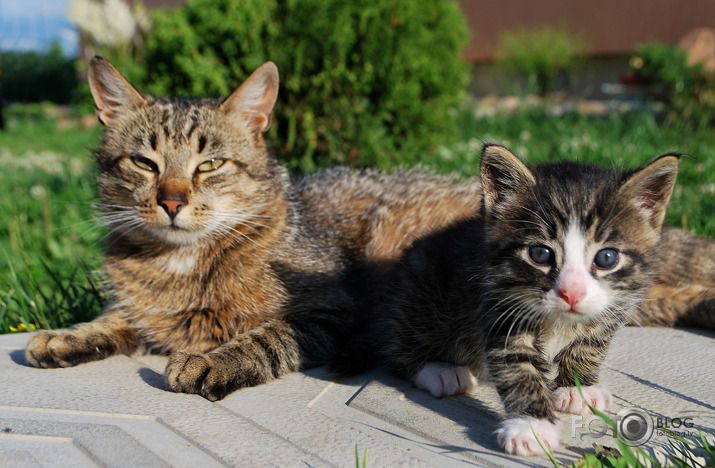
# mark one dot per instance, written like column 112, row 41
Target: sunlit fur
column 471, row 296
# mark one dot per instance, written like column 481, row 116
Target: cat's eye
column 210, row 165
column 606, row 259
column 540, row 254
column 145, row 163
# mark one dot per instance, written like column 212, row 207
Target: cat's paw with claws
column 569, row 400
column 443, row 379
column 51, row 349
column 198, row 373
column 521, row 436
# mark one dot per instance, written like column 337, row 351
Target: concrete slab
column 118, row 412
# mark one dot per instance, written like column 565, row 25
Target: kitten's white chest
column 557, row 340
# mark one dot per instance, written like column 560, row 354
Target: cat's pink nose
column 172, row 207
column 572, row 294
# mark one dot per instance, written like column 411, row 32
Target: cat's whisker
column 245, row 221
column 225, row 229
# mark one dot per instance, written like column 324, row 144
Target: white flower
column 110, row 23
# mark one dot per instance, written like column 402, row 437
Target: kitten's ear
column 254, row 99
column 112, row 93
column 503, row 175
column 650, row 188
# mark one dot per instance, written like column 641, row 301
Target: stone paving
column 118, row 412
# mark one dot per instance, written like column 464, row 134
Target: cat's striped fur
column 532, row 289
column 217, row 257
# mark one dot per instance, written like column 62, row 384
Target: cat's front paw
column 51, row 349
column 568, row 399
column 519, row 436
column 442, row 379
column 197, row 373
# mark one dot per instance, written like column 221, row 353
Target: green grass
column 50, row 242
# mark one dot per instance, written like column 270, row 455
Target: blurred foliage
column 37, row 76
column 363, row 83
column 541, row 53
column 687, row 90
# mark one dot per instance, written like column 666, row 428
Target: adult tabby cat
column 534, row 288
column 215, row 256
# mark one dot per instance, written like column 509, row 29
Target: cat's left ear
column 254, row 99
column 650, row 188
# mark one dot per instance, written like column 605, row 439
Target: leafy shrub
column 36, row 76
column 541, row 53
column 687, row 90
column 362, row 82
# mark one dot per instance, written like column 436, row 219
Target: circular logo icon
column 634, row 426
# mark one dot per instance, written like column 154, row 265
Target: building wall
column 611, row 27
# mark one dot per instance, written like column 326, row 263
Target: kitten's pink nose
column 572, row 293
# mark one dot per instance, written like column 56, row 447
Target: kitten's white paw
column 442, row 379
column 568, row 400
column 518, row 436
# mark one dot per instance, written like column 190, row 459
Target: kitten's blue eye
column 606, row 259
column 540, row 254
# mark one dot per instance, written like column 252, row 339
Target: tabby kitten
column 216, row 257
column 529, row 291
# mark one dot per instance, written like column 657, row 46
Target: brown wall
column 610, row 27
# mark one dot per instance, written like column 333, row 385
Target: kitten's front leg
column 519, row 371
column 107, row 335
column 584, row 356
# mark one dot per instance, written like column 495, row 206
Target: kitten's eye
column 210, row 165
column 540, row 254
column 145, row 163
column 606, row 259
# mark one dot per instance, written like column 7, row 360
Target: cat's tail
column 683, row 291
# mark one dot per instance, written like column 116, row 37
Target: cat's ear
column 112, row 93
column 254, row 99
column 650, row 188
column 503, row 175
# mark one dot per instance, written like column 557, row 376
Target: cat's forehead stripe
column 194, row 124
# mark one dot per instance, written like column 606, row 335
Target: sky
column 34, row 24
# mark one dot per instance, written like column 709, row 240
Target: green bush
column 540, row 53
column 362, row 83
column 36, row 76
column 687, row 90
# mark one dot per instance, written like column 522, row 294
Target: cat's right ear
column 503, row 176
column 649, row 189
column 112, row 93
column 253, row 101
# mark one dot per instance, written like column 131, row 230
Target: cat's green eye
column 606, row 259
column 210, row 165
column 540, row 254
column 145, row 163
